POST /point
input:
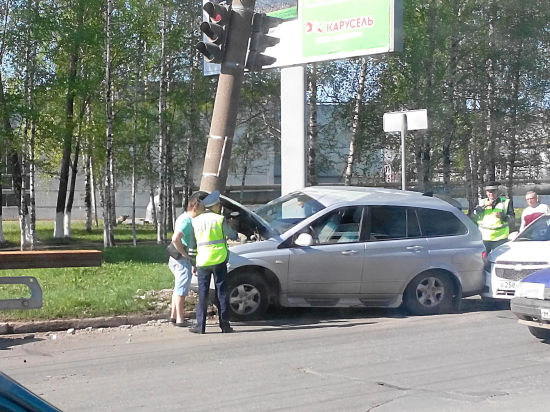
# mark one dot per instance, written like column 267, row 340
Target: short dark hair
column 193, row 203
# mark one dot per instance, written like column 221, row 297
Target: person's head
column 194, row 206
column 491, row 189
column 532, row 198
column 212, row 202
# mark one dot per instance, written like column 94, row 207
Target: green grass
column 79, row 236
column 111, row 289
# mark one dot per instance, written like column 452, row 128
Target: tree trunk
column 68, row 134
column 134, row 166
column 355, row 123
column 162, row 130
column 152, row 188
column 512, row 140
column 491, row 99
column 70, row 200
column 313, row 133
column 32, row 189
column 74, row 172
column 107, row 210
column 450, row 136
column 17, row 183
column 88, row 195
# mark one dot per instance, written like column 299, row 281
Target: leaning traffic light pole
column 228, row 32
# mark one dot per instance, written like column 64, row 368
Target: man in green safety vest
column 494, row 216
column 210, row 231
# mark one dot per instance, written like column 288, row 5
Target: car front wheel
column 248, row 296
column 429, row 293
column 540, row 333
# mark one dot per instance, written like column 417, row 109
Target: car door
column 395, row 250
column 333, row 265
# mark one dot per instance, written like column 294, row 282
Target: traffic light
column 215, row 30
column 260, row 41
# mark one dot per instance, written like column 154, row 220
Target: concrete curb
column 65, row 324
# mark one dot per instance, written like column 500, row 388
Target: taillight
column 484, row 255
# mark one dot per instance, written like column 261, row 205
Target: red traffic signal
column 218, row 12
column 215, row 31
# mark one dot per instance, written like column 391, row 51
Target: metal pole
column 403, row 134
column 228, row 94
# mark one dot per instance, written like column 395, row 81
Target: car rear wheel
column 540, row 333
column 429, row 293
column 248, row 296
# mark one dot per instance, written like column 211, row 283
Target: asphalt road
column 307, row 360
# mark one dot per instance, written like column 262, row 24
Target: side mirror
column 513, row 235
column 304, row 239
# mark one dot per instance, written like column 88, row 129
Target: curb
column 7, row 328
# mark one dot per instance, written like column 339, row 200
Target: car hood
column 255, row 247
column 526, row 251
column 248, row 222
column 541, row 276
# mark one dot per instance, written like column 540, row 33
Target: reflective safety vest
column 211, row 244
column 492, row 227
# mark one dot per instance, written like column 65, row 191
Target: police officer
column 494, row 216
column 212, row 253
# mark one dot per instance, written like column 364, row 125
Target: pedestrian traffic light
column 215, row 30
column 260, row 41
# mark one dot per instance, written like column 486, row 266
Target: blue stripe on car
column 541, row 276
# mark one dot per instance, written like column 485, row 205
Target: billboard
column 335, row 29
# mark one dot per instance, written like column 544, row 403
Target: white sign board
column 416, row 120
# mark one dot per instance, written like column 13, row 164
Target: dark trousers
column 204, row 275
column 491, row 244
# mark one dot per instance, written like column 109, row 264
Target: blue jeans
column 204, row 274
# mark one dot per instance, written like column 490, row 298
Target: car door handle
column 349, row 252
column 414, row 248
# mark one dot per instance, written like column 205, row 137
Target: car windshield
column 539, row 230
column 289, row 210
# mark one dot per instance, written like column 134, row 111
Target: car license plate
column 507, row 285
column 545, row 314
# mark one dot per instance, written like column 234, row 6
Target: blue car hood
column 541, row 276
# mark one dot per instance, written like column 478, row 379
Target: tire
column 429, row 293
column 248, row 296
column 540, row 333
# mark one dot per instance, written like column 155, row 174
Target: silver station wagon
column 353, row 247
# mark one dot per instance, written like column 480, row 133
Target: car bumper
column 529, row 311
column 492, row 289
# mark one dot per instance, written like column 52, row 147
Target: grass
column 79, row 236
column 115, row 288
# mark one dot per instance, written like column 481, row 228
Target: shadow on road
column 314, row 318
column 311, row 318
column 476, row 304
column 8, row 343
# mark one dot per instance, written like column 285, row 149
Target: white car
column 509, row 263
column 355, row 247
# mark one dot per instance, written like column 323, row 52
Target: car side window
column 413, row 226
column 437, row 223
column 338, row 226
column 388, row 222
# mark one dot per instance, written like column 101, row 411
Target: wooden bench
column 36, row 259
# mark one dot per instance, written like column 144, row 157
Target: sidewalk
column 65, row 324
column 16, row 327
